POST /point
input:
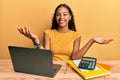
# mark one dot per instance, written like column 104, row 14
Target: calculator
column 88, row 63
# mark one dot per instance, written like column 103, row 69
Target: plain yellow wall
column 92, row 17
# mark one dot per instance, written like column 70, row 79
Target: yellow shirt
column 62, row 43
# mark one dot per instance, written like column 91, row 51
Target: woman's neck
column 63, row 30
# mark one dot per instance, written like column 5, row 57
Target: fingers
column 20, row 29
column 102, row 41
column 108, row 41
column 29, row 33
column 25, row 31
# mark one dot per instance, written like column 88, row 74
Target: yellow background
column 93, row 18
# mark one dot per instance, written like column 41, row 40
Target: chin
column 62, row 25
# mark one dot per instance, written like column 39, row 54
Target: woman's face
column 62, row 17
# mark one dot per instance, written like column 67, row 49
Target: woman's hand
column 101, row 40
column 27, row 33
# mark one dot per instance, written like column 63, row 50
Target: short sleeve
column 48, row 32
column 77, row 35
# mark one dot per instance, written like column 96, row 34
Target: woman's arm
column 27, row 33
column 78, row 53
column 46, row 41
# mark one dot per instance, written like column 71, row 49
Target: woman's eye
column 65, row 14
column 61, row 14
column 57, row 14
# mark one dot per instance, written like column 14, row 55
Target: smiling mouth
column 61, row 21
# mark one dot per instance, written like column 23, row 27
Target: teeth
column 61, row 21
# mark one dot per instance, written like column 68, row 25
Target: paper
column 88, row 74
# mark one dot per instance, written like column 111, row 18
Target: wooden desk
column 7, row 72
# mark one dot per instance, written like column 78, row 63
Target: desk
column 7, row 72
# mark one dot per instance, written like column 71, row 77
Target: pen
column 66, row 69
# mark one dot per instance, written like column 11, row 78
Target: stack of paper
column 100, row 69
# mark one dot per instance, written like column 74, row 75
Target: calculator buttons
column 88, row 63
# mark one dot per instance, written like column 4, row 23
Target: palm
column 102, row 41
column 27, row 33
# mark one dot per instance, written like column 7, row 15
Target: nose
column 61, row 16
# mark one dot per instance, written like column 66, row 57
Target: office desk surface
column 7, row 72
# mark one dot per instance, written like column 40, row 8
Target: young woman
column 63, row 39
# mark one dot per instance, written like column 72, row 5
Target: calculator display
column 87, row 63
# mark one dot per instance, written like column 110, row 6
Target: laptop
column 33, row 61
